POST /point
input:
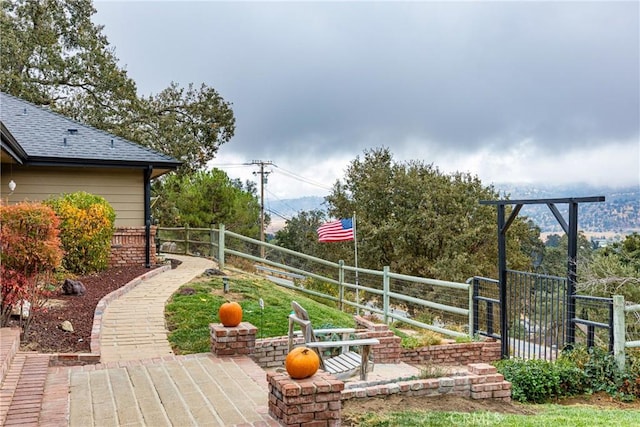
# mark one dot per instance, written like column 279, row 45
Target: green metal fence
column 384, row 294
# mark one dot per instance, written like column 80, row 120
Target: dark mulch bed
column 45, row 335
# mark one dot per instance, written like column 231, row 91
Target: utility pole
column 263, row 180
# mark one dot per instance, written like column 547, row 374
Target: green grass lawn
column 188, row 316
column 547, row 415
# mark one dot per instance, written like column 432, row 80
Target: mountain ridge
column 618, row 214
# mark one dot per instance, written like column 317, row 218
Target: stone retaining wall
column 389, row 350
column 317, row 400
column 458, row 354
column 271, row 352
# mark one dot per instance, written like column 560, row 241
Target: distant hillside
column 619, row 214
column 281, row 210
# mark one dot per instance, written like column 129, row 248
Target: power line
column 280, row 169
column 280, row 200
column 278, row 214
column 231, row 165
column 302, row 178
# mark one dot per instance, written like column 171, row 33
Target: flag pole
column 355, row 244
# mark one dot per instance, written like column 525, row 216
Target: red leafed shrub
column 30, row 251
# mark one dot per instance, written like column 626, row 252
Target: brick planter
column 271, row 352
column 454, row 354
column 233, row 341
column 481, row 382
column 314, row 401
column 389, row 350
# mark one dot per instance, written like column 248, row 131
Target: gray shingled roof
column 42, row 134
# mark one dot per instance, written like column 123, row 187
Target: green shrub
column 631, row 384
column 578, row 370
column 602, row 373
column 572, row 379
column 86, row 230
column 423, row 339
column 466, row 339
column 533, row 381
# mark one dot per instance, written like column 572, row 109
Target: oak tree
column 202, row 198
column 419, row 221
column 53, row 55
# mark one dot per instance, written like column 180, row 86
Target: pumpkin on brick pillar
column 301, row 362
column 230, row 314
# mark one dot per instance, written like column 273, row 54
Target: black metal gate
column 537, row 316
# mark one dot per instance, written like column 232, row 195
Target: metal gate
column 537, row 315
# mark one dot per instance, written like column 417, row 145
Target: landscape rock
column 168, row 247
column 66, row 326
column 213, row 272
column 73, row 287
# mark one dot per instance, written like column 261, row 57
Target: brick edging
column 96, row 330
column 10, row 344
column 481, row 382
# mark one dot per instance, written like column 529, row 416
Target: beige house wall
column 122, row 188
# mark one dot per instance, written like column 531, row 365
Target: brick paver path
column 139, row 381
column 22, row 390
column 133, row 325
column 194, row 390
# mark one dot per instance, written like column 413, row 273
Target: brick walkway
column 133, row 325
column 22, row 388
column 139, row 381
column 194, row 390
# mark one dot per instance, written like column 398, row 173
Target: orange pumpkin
column 230, row 314
column 301, row 362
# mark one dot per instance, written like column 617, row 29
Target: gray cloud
column 460, row 77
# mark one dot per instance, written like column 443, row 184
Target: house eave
column 11, row 146
column 159, row 168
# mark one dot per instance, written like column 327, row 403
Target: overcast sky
column 539, row 92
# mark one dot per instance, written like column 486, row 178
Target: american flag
column 340, row 230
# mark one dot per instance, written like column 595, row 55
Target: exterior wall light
column 12, row 185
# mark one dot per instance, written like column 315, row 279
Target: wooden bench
column 345, row 364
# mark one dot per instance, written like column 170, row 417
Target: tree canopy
column 202, row 198
column 54, row 55
column 614, row 270
column 417, row 220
